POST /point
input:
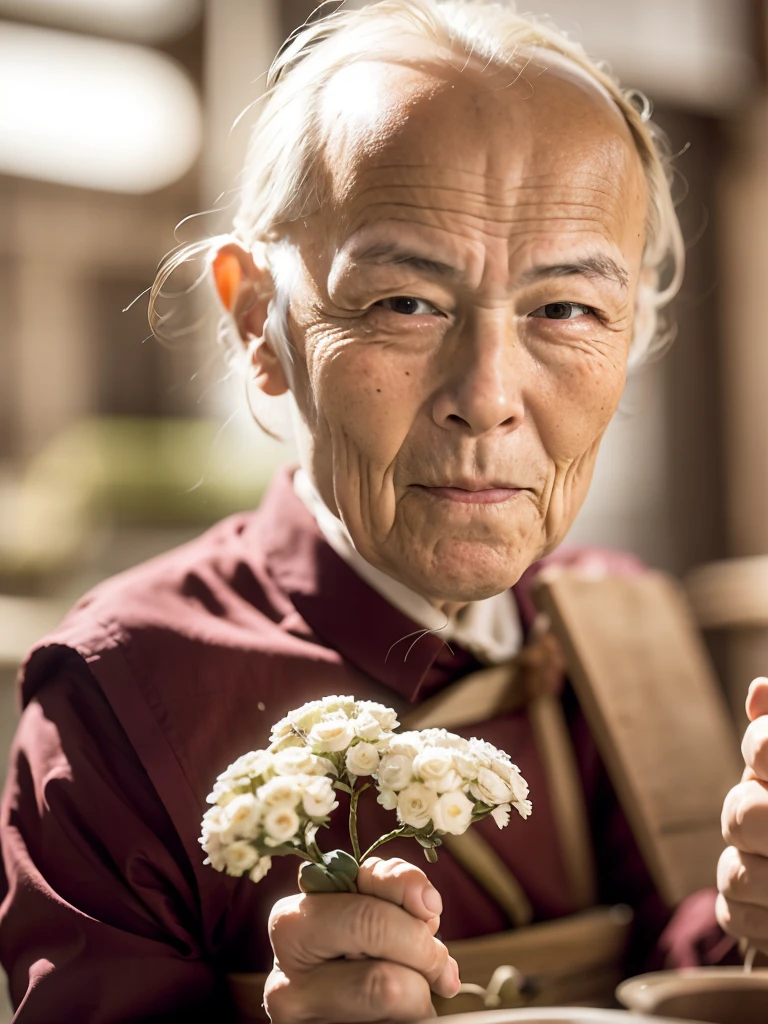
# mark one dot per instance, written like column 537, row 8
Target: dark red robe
column 154, row 683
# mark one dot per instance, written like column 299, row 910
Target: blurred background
column 116, row 124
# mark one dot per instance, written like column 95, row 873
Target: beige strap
column 485, row 695
column 650, row 695
column 480, row 860
column 566, row 796
column 478, row 697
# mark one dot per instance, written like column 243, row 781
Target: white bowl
column 710, row 992
column 554, row 1015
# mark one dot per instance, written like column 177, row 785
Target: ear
column 244, row 290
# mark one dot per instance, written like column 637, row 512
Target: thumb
column 402, row 883
column 757, row 698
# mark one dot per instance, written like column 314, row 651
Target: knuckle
column 732, row 873
column 754, row 746
column 382, row 988
column 388, row 989
column 279, row 999
column 371, row 924
column 737, row 811
column 286, row 918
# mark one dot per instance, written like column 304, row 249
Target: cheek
column 574, row 412
column 364, row 395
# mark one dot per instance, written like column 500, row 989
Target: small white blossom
column 385, row 716
column 367, row 727
column 293, row 761
column 523, row 807
column 490, row 789
column 500, row 815
column 518, row 784
column 261, row 867
column 388, row 799
column 395, row 771
column 243, row 815
column 280, row 791
column 322, row 766
column 281, row 824
column 452, row 812
column 432, row 763
column 362, row 759
column 331, row 735
column 415, row 804
column 318, row 798
column 465, row 765
column 239, row 857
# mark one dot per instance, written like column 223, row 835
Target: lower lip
column 491, row 496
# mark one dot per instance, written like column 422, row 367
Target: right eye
column 408, row 305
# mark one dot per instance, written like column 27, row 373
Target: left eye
column 407, row 305
column 562, row 311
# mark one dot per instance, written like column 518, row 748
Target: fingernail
column 431, row 899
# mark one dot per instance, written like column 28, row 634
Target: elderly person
column 449, row 249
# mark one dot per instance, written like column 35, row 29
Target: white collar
column 490, row 629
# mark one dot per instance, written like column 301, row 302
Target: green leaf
column 314, row 878
column 339, row 862
column 337, row 873
column 431, row 854
column 343, row 787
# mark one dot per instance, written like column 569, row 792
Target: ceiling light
column 93, row 113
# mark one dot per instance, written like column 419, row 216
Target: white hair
column 282, row 181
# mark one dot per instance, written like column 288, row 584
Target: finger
column 306, row 930
column 743, row 877
column 404, row 884
column 743, row 921
column 757, row 698
column 349, row 991
column 745, row 817
column 754, row 747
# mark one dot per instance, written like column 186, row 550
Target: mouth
column 473, row 494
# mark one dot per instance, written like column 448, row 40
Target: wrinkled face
column 463, row 315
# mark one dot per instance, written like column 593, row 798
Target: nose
column 482, row 388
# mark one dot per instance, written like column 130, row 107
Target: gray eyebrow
column 393, row 254
column 589, row 266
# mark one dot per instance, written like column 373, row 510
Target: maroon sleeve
column 98, row 917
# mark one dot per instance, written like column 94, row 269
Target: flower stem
column 353, row 824
column 395, row 834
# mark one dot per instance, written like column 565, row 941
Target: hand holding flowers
column 273, row 802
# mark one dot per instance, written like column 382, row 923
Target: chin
column 461, row 572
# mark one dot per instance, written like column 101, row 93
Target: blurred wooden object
column 648, row 690
column 732, row 595
column 742, row 218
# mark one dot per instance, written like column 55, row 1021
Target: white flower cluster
column 273, row 801
column 435, row 777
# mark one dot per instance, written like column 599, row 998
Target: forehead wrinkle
column 496, row 226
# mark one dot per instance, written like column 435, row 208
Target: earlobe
column 268, row 373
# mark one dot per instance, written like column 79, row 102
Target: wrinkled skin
column 452, row 420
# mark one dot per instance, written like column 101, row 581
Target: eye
column 407, row 305
column 562, row 311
